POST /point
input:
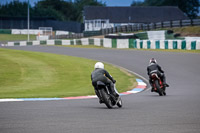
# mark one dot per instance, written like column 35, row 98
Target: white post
column 28, row 20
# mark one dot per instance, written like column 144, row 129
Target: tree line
column 73, row 11
column 56, row 9
column 189, row 7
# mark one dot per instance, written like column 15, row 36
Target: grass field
column 188, row 31
column 12, row 37
column 33, row 75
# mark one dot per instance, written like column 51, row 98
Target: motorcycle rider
column 100, row 74
column 154, row 67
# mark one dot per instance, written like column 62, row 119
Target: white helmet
column 152, row 60
column 99, row 65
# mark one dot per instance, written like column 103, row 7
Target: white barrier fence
column 35, row 32
column 25, row 31
column 156, row 35
column 118, row 43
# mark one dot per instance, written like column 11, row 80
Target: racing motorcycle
column 106, row 97
column 158, row 84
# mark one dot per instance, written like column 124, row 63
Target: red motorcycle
column 158, row 84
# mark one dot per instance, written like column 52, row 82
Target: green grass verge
column 12, row 37
column 33, row 75
column 5, row 31
column 142, row 35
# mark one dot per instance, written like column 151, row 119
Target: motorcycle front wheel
column 119, row 104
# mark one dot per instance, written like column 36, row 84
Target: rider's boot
column 164, row 81
column 100, row 101
column 116, row 96
column 113, row 92
column 165, row 84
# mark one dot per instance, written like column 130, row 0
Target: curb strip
column 140, row 87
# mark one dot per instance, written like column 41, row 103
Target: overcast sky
column 118, row 2
column 108, row 2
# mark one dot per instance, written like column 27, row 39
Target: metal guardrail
column 152, row 26
column 70, row 36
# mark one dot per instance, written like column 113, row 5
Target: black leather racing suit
column 102, row 75
column 153, row 67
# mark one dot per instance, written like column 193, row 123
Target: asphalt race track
column 145, row 112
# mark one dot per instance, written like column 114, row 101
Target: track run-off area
column 144, row 112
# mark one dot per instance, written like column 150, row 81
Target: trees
column 189, row 7
column 57, row 9
column 14, row 8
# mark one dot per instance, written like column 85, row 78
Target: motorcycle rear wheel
column 159, row 90
column 106, row 98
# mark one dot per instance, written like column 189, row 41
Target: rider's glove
column 114, row 81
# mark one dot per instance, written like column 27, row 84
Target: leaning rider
column 100, row 74
column 154, row 67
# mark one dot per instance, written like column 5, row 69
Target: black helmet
column 152, row 60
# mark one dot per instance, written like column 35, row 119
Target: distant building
column 97, row 18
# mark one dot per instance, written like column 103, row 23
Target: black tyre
column 159, row 90
column 119, row 103
column 164, row 93
column 106, row 98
